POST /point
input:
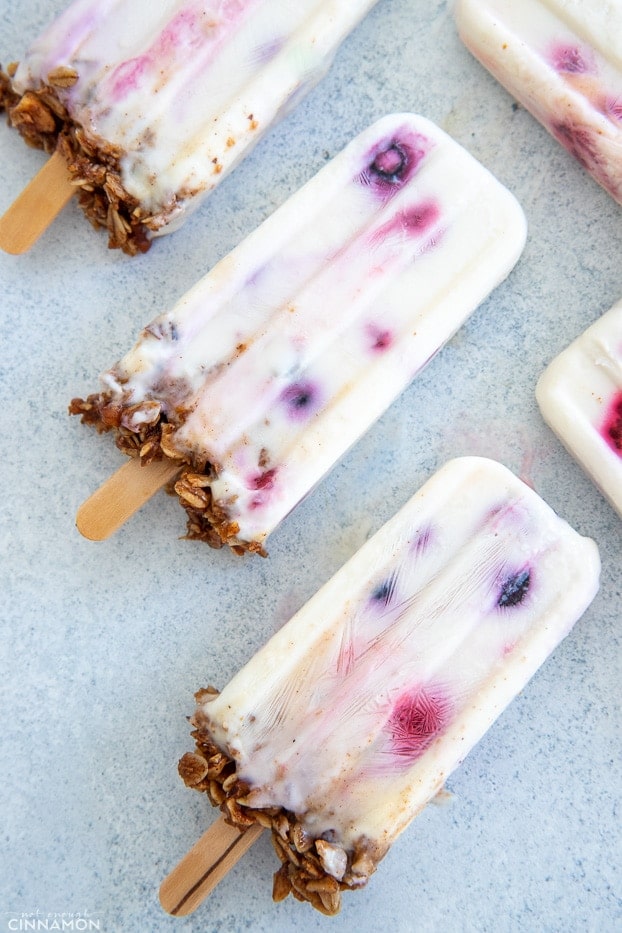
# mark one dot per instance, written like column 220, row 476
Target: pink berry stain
column 379, row 338
column 417, row 718
column 612, row 427
column 413, row 222
column 188, row 31
column 264, row 483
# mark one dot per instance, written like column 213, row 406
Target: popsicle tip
column 204, row 866
column 9, row 243
column 121, row 495
column 33, row 211
column 86, row 526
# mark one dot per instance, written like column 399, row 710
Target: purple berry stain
column 579, row 142
column 514, row 588
column 570, row 59
column 301, row 400
column 422, row 540
column 613, row 108
column 612, row 427
column 392, row 162
column 417, row 718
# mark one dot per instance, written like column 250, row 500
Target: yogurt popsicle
column 562, row 59
column 268, row 370
column 351, row 718
column 580, row 397
column 151, row 104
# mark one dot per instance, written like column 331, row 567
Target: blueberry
column 301, row 399
column 391, row 163
column 384, row 591
column 514, row 589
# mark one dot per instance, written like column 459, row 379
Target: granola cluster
column 313, row 870
column 206, row 520
column 42, row 119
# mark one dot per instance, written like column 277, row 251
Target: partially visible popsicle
column 580, row 397
column 151, row 104
column 276, row 362
column 562, row 59
column 352, row 717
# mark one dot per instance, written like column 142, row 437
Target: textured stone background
column 103, row 645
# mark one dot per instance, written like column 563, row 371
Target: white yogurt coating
column 580, row 397
column 276, row 362
column 562, row 59
column 356, row 712
column 183, row 88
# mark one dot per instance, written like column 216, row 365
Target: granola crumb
column 150, row 440
column 43, row 121
column 308, row 866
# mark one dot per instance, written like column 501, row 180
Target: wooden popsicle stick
column 35, row 208
column 121, row 495
column 204, row 866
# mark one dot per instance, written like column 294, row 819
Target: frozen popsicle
column 352, row 717
column 276, row 362
column 580, row 397
column 562, row 59
column 149, row 105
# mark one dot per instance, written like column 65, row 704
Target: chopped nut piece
column 363, row 865
column 333, row 859
column 32, row 116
